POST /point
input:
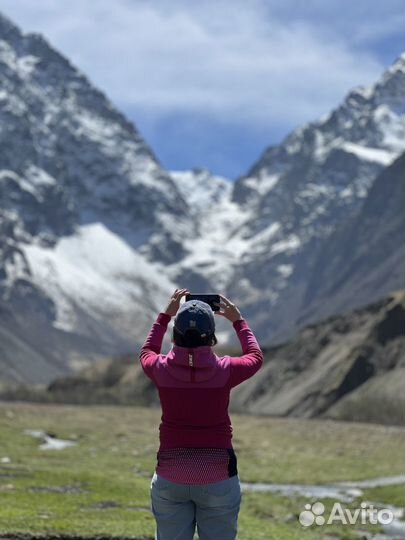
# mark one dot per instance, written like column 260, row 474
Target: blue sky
column 213, row 83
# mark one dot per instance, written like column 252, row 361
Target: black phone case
column 210, row 299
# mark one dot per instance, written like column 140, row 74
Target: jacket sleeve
column 151, row 348
column 244, row 367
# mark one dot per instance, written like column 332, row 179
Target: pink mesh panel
column 193, row 465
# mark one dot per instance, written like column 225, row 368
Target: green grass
column 394, row 495
column 108, row 473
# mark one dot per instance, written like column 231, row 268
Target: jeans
column 179, row 508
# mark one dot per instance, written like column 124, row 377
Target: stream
column 344, row 492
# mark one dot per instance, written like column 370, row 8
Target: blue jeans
column 179, row 508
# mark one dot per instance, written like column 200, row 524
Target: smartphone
column 210, row 299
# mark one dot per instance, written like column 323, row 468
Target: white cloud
column 232, row 59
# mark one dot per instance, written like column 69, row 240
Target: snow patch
column 201, row 189
column 370, row 154
column 285, row 270
column 392, row 127
column 291, row 243
column 23, row 66
column 39, row 177
column 364, row 91
column 96, row 128
column 26, row 65
column 221, row 245
column 263, row 183
column 314, row 191
column 96, row 270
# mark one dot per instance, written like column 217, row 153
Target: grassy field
column 101, row 485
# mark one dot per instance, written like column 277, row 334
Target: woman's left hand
column 174, row 304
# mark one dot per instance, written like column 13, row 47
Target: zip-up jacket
column 194, row 386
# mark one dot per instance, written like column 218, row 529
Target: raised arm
column 245, row 366
column 151, row 348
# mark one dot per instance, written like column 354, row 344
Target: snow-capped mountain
column 83, row 202
column 260, row 241
column 95, row 234
column 282, row 212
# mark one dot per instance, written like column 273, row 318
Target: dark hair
column 192, row 338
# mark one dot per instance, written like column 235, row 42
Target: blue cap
column 195, row 315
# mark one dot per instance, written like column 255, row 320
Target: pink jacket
column 194, row 387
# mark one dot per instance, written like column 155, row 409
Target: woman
column 196, row 481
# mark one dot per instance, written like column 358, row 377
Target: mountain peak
column 399, row 64
column 389, row 90
column 8, row 29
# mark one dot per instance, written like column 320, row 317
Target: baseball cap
column 195, row 315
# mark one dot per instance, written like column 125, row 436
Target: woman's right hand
column 174, row 302
column 228, row 310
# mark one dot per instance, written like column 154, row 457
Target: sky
column 211, row 84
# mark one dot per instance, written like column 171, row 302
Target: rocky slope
column 333, row 369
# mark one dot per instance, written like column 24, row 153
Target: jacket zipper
column 191, row 364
